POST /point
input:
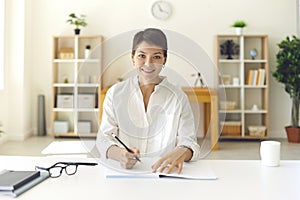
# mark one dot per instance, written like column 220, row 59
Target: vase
column 293, row 134
column 77, row 31
column 239, row 30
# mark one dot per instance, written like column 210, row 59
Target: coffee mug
column 270, row 153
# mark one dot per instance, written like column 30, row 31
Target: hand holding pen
column 128, row 149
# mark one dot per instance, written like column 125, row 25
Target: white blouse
column 167, row 123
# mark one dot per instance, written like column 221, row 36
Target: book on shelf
column 256, row 77
column 261, row 77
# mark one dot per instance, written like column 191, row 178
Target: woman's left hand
column 173, row 159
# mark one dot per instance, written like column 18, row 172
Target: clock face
column 161, row 10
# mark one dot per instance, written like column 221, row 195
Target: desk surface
column 237, row 179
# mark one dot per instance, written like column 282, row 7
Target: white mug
column 270, row 153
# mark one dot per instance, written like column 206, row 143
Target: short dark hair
column 152, row 36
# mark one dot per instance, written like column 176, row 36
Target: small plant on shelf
column 239, row 23
column 77, row 21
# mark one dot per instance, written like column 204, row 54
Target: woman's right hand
column 127, row 160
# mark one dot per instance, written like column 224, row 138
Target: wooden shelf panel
column 76, row 60
column 73, row 109
column 242, row 137
column 87, row 85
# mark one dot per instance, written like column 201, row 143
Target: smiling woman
column 151, row 115
column 2, row 13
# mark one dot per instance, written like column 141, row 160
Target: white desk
column 237, row 179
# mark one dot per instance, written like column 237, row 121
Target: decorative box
column 86, row 101
column 66, row 53
column 227, row 105
column 257, row 131
column 231, row 128
column 61, row 126
column 64, row 101
column 84, row 126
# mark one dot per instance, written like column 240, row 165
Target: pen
column 129, row 150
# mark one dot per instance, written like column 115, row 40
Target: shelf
column 63, row 109
column 87, row 85
column 230, row 86
column 230, row 111
column 255, row 112
column 229, row 61
column 88, row 109
column 78, row 109
column 242, row 137
column 63, row 85
column 239, row 61
column 245, row 96
column 255, row 86
column 76, row 60
column 255, row 61
column 81, row 71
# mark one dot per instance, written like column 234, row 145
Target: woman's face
column 149, row 60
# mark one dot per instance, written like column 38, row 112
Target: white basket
column 257, row 130
column 227, row 105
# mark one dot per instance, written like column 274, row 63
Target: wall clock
column 161, row 10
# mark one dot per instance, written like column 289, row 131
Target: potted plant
column 77, row 22
column 288, row 73
column 239, row 25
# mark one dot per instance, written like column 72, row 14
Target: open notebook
column 192, row 170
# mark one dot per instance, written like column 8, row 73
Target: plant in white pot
column 288, row 73
column 77, row 21
column 239, row 26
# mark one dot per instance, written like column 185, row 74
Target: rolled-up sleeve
column 186, row 135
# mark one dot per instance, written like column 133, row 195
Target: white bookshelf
column 243, row 95
column 67, row 72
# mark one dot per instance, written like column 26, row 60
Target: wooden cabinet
column 243, row 66
column 76, row 85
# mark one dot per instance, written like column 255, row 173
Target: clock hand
column 162, row 10
column 159, row 7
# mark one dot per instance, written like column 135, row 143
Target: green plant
column 239, row 23
column 288, row 72
column 77, row 21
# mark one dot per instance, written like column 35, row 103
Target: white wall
column 198, row 20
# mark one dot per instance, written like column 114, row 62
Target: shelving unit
column 246, row 104
column 76, row 86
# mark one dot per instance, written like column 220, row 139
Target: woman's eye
column 141, row 56
column 157, row 57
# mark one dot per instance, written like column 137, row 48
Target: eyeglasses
column 69, row 167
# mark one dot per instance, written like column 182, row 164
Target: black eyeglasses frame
column 65, row 165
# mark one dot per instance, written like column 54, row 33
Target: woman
column 148, row 113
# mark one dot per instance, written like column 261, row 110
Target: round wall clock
column 161, row 10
